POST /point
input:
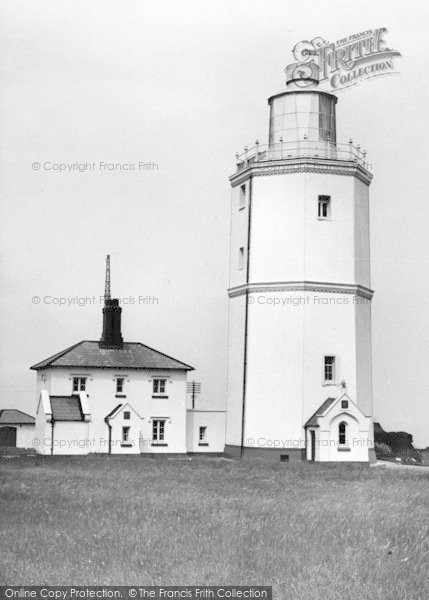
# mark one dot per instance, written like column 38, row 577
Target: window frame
column 333, row 366
column 79, row 379
column 241, row 258
column 127, row 415
column 324, row 200
column 125, row 436
column 242, row 196
column 202, row 441
column 342, row 434
column 156, row 387
column 120, row 383
column 158, row 432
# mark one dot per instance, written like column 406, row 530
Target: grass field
column 312, row 531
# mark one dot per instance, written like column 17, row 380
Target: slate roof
column 66, row 408
column 312, row 421
column 11, row 416
column 132, row 355
column 112, row 412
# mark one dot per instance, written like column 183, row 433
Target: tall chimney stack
column 111, row 337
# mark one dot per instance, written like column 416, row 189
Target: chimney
column 111, row 337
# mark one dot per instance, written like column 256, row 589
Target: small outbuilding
column 17, row 429
column 338, row 432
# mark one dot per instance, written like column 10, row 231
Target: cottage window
column 127, row 415
column 159, row 386
column 158, row 430
column 120, row 385
column 79, row 384
column 125, row 435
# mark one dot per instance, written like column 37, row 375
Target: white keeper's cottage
column 299, row 347
column 111, row 396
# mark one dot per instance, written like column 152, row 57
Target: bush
column 383, row 450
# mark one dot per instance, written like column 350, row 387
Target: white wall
column 25, row 434
column 286, row 343
column 236, row 331
column 101, row 390
column 288, row 242
column 215, row 436
column 358, row 436
column 136, row 442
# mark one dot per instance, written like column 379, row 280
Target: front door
column 313, row 444
column 8, row 436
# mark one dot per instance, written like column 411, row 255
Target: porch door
column 8, row 436
column 313, row 444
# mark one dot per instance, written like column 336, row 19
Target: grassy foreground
column 312, row 531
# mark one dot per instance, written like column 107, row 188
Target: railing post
column 246, row 149
column 305, row 145
column 281, row 147
column 351, row 148
column 257, row 150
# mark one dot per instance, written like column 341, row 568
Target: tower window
column 79, row 384
column 241, row 258
column 324, row 208
column 342, row 433
column 119, row 385
column 242, row 200
column 329, row 368
column 344, row 403
column 127, row 415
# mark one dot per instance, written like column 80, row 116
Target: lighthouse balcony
column 302, row 149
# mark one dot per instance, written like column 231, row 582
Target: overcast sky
column 185, row 85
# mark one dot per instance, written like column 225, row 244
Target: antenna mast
column 107, row 284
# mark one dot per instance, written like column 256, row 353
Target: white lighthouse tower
column 299, row 347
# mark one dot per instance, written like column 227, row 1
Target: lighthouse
column 299, row 383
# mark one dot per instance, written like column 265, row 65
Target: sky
column 183, row 87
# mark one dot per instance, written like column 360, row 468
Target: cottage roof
column 132, row 355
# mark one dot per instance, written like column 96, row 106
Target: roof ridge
column 63, row 358
column 15, row 410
